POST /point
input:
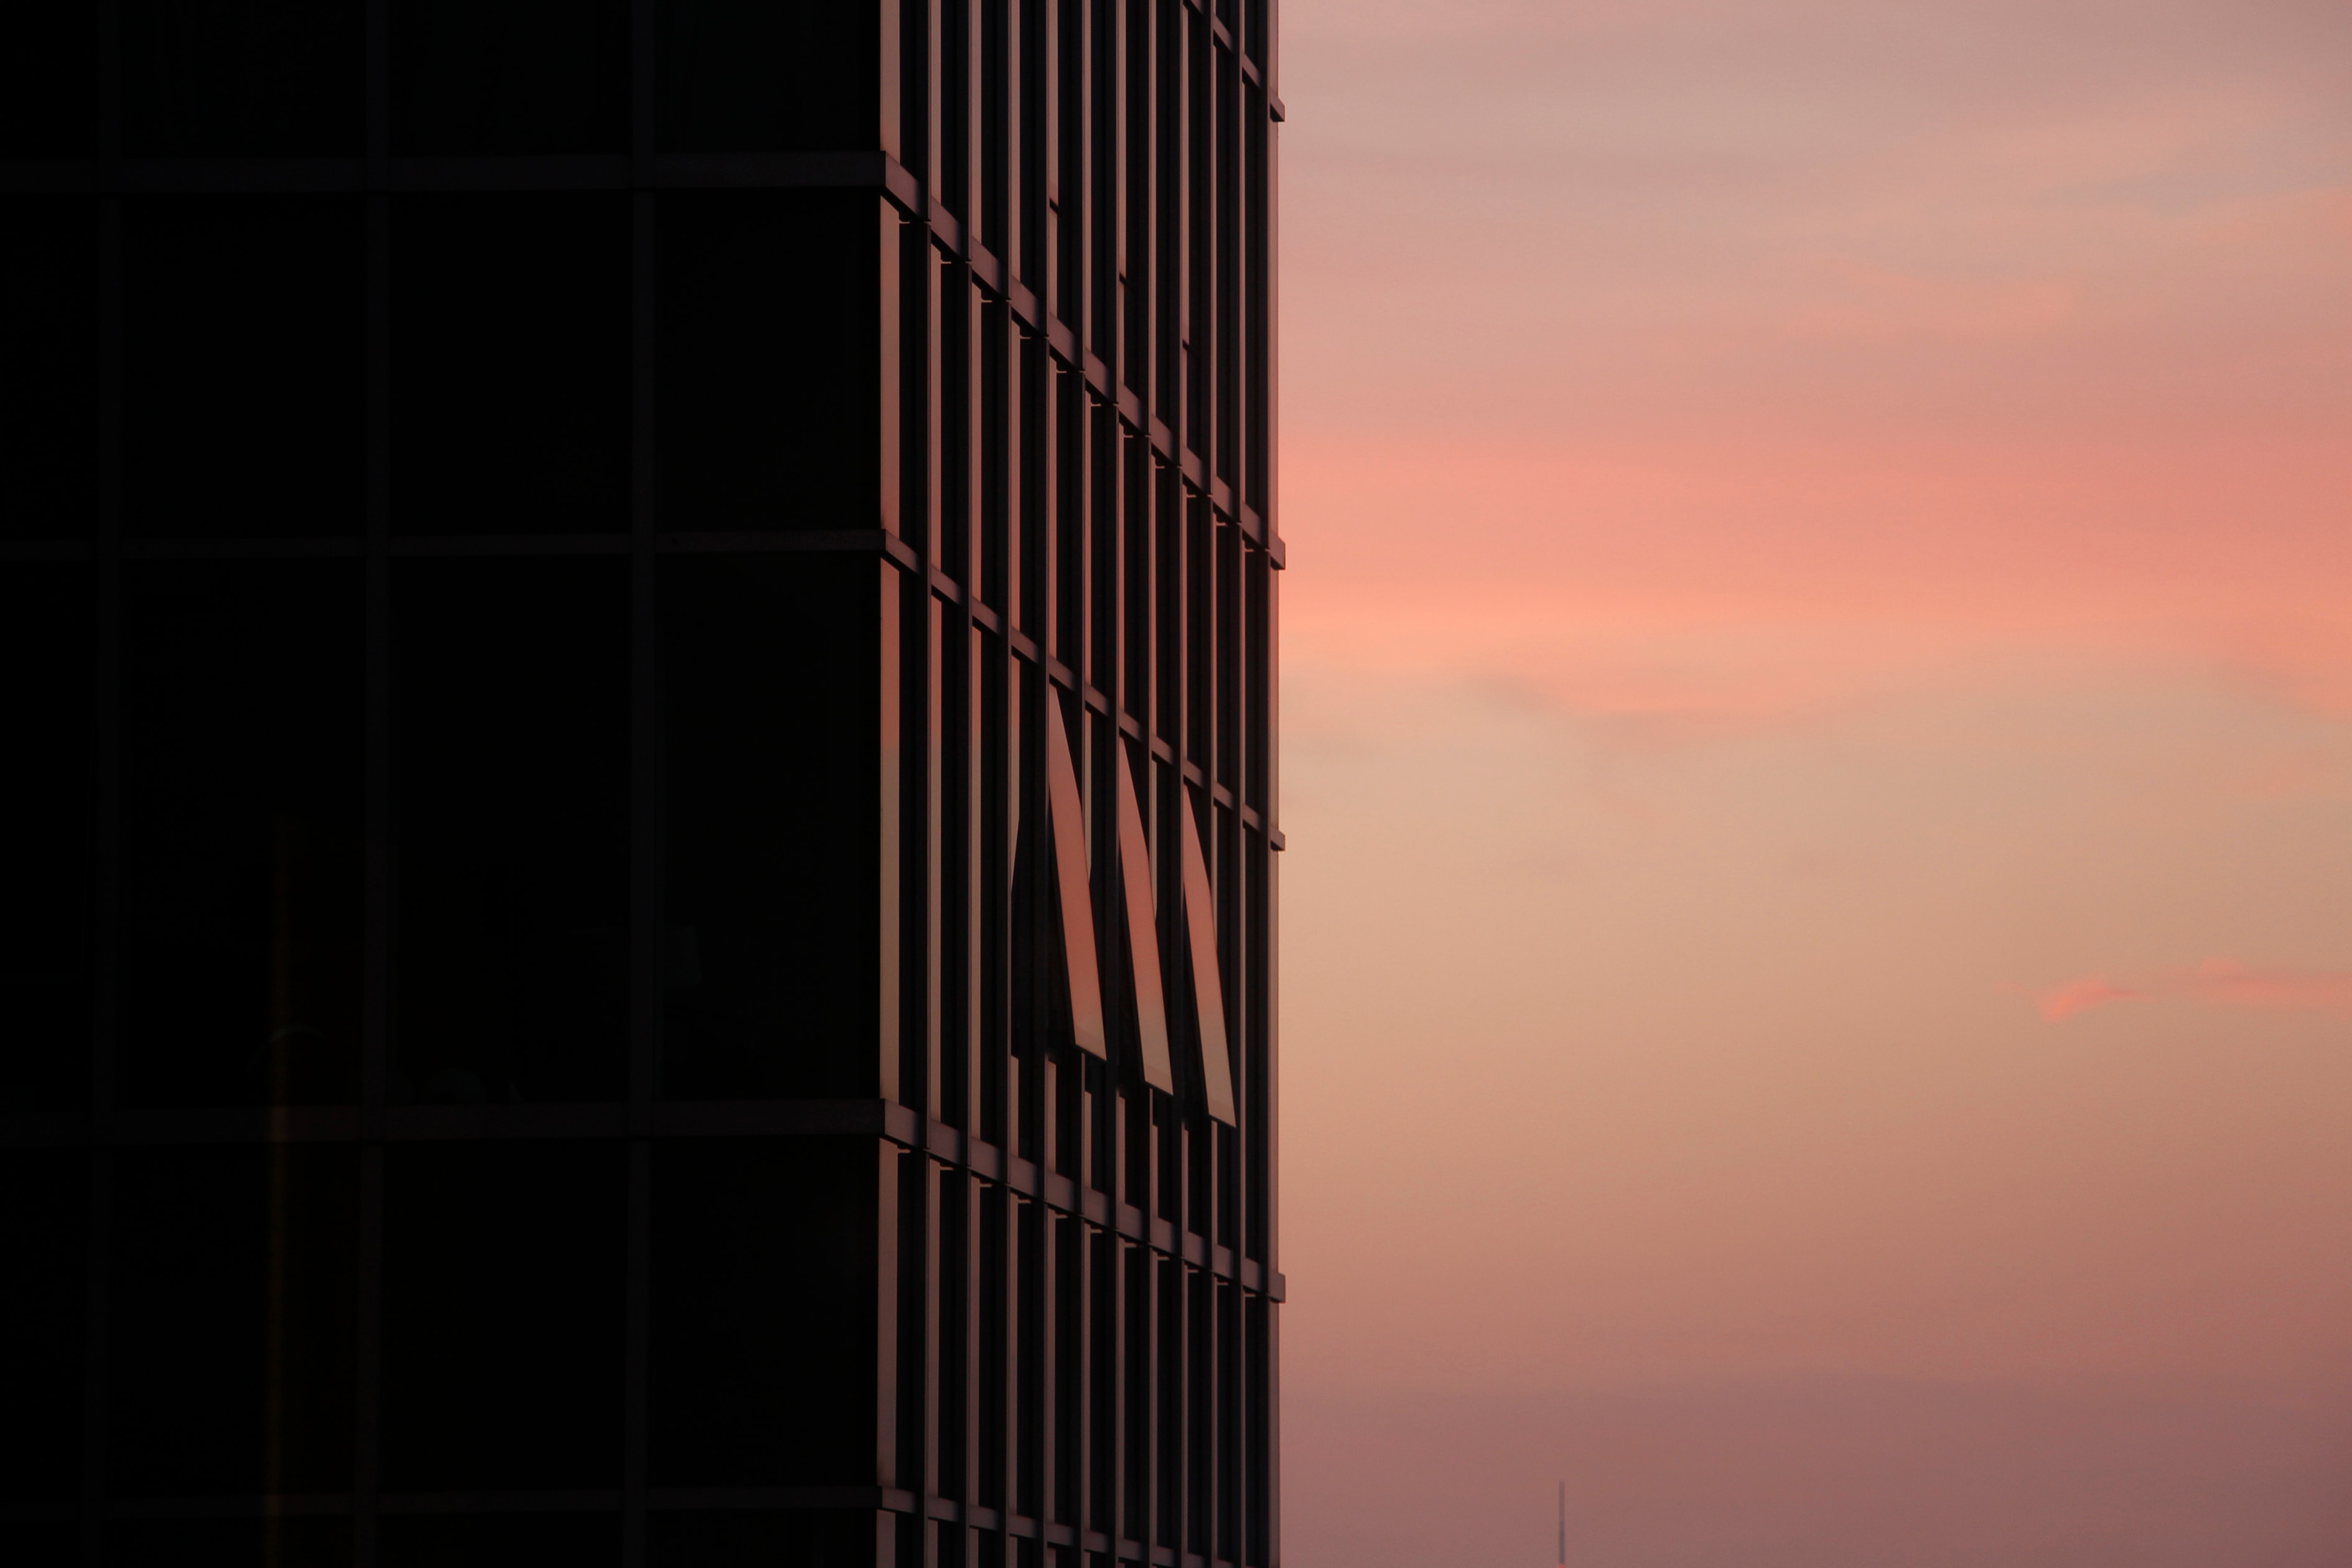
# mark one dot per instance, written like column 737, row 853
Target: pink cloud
column 2076, row 995
column 2221, row 981
column 1694, row 358
column 1759, row 578
column 2225, row 980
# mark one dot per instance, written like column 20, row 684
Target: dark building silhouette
column 638, row 881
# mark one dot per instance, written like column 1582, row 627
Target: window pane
column 511, row 755
column 743, row 76
column 48, row 80
column 749, row 1540
column 244, row 366
column 48, row 368
column 765, row 1310
column 771, row 360
column 47, row 1545
column 510, row 76
column 230, row 1368
column 43, row 1197
column 246, row 78
column 244, row 795
column 500, row 1541
column 46, row 649
column 510, row 364
column 511, row 749
column 772, row 752
column 308, row 1542
column 503, row 1312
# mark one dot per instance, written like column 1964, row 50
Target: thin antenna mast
column 1563, row 1524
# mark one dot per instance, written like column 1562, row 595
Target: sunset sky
column 1818, row 718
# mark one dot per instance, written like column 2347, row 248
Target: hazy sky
column 1817, row 722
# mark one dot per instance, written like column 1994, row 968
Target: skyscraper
column 640, row 827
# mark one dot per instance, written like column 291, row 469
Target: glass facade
column 638, row 855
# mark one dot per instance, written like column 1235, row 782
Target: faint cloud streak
column 2221, row 981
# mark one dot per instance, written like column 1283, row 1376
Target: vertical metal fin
column 1068, row 838
column 1142, row 935
column 1208, row 992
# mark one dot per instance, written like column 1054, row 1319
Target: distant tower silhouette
column 1563, row 1524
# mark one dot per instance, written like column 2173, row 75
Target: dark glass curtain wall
column 638, row 837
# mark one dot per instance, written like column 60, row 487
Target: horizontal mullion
column 245, row 1505
column 683, row 1499
column 330, row 1505
column 351, row 547
column 600, row 1499
column 339, row 547
column 48, row 550
column 746, row 541
column 663, row 1121
column 509, row 544
column 875, row 170
column 659, row 1499
column 466, row 1123
column 750, row 542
